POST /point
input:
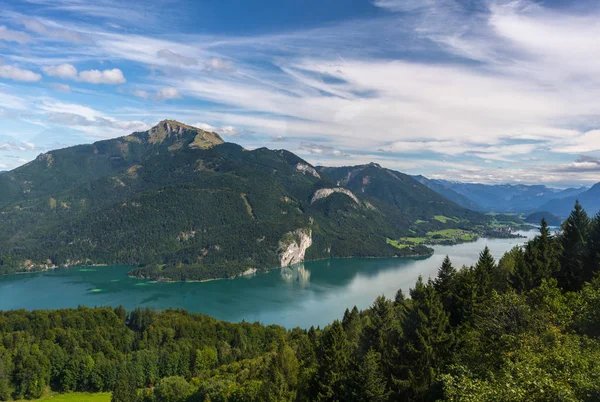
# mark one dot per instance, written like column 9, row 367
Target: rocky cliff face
column 306, row 169
column 326, row 192
column 293, row 246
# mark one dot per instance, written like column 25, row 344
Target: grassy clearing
column 455, row 234
column 76, row 397
column 419, row 221
column 439, row 236
column 445, row 219
column 396, row 244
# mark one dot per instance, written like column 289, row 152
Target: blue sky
column 489, row 91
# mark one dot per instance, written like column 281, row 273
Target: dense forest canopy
column 525, row 328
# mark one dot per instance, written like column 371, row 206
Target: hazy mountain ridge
column 589, row 199
column 518, row 198
column 448, row 192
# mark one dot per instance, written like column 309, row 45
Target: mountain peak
column 172, row 126
column 173, row 129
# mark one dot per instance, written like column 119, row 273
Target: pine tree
column 427, row 343
column 443, row 282
column 370, row 382
column 352, row 325
column 281, row 381
column 541, row 256
column 573, row 273
column 464, row 296
column 399, row 298
column 334, row 363
column 521, row 277
column 382, row 332
column 593, row 248
column 485, row 270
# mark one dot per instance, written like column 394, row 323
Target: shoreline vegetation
column 523, row 328
column 419, row 246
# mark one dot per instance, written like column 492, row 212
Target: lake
column 314, row 293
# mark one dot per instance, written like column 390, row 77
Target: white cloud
column 218, row 64
column 411, row 5
column 205, row 127
column 68, row 71
column 164, row 94
column 102, row 122
column 53, row 106
column 227, row 131
column 8, row 143
column 60, row 87
column 18, row 74
column 111, row 77
column 12, row 102
column 65, row 71
column 14, row 36
column 140, row 93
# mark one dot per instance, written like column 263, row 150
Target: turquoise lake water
column 314, row 293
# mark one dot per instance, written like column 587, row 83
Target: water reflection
column 296, row 274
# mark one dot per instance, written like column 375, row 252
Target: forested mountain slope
column 397, row 189
column 522, row 329
column 186, row 206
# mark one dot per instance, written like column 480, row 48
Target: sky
column 488, row 91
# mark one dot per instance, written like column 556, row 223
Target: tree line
column 524, row 328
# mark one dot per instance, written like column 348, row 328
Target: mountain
column 397, row 189
column 182, row 204
column 517, row 198
column 444, row 190
column 589, row 199
column 550, row 218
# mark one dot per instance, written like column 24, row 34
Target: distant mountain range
column 182, row 204
column 589, row 199
column 504, row 198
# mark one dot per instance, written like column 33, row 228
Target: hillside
column 501, row 198
column 537, row 217
column 590, row 200
column 183, row 205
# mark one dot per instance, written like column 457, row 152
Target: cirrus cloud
column 176, row 58
column 14, row 36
